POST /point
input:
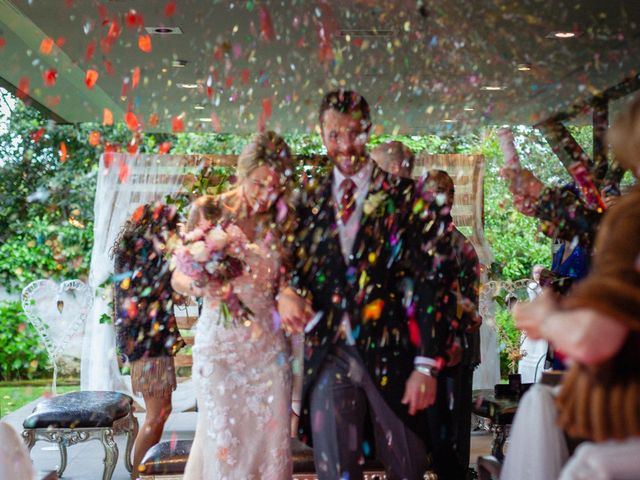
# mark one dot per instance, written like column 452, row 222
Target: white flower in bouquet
column 217, row 239
column 199, row 251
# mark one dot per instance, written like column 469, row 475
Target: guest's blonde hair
column 624, row 137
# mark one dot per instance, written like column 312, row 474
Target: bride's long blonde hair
column 265, row 149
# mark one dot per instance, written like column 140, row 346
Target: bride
column 242, row 370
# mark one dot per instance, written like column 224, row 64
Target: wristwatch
column 427, row 370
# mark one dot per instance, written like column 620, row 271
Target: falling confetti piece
column 63, row 152
column 245, row 75
column 61, row 41
column 144, row 43
column 135, row 78
column 3, row 42
column 91, row 78
column 109, row 150
column 266, row 107
column 23, row 88
column 137, row 214
column 132, row 121
column 373, row 310
column 94, row 138
column 37, row 135
column 132, row 147
column 414, row 332
column 165, row 147
column 107, row 117
column 52, row 101
column 170, row 8
column 177, row 125
column 154, row 119
column 123, row 173
column 108, row 67
column 46, row 45
column 215, row 122
column 133, row 19
column 91, row 50
column 50, row 76
column 266, row 25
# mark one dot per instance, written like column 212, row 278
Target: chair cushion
column 85, row 409
column 166, row 458
column 162, row 459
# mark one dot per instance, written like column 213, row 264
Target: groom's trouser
column 340, row 399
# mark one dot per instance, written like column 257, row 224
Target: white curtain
column 124, row 182
column 487, row 374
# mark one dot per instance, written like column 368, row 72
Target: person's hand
column 294, row 311
column 530, row 317
column 420, row 392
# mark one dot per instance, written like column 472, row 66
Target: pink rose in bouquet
column 213, row 257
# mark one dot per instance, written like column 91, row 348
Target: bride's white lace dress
column 243, row 383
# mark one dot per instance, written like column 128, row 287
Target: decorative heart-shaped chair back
column 58, row 312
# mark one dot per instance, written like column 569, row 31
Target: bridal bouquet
column 212, row 257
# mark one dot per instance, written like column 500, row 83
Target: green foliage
column 22, row 356
column 40, row 248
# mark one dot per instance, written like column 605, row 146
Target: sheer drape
column 124, row 183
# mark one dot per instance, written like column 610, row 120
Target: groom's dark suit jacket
column 385, row 267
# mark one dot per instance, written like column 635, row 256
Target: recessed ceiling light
column 492, row 88
column 187, row 85
column 469, row 109
column 448, row 120
column 524, row 67
column 562, row 35
column 179, row 63
column 162, row 30
column 198, row 107
column 204, row 119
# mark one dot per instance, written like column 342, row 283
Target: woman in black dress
column 146, row 329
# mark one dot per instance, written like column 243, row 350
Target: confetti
column 165, row 147
column 123, row 172
column 132, row 121
column 177, row 125
column 91, row 78
column 63, row 152
column 144, row 43
column 107, row 117
column 46, row 45
column 135, row 78
column 50, row 77
column 37, row 135
column 266, row 25
column 94, row 138
column 170, row 8
column 23, row 88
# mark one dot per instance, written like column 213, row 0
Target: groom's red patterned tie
column 347, row 202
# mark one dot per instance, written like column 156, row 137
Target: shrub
column 22, row 355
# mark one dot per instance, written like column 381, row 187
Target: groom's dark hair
column 346, row 101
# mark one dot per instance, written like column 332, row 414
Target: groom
column 374, row 346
